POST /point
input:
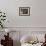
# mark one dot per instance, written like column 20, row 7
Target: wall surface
column 37, row 19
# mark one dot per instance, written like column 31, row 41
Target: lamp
column 7, row 31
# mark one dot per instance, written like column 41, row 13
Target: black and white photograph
column 24, row 11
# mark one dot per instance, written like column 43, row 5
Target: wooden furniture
column 44, row 44
column 8, row 41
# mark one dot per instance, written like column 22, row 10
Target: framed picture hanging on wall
column 24, row 11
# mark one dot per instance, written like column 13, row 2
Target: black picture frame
column 24, row 11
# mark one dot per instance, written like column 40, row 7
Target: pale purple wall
column 37, row 19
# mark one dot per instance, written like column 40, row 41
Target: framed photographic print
column 24, row 11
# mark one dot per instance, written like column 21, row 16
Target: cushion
column 26, row 39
